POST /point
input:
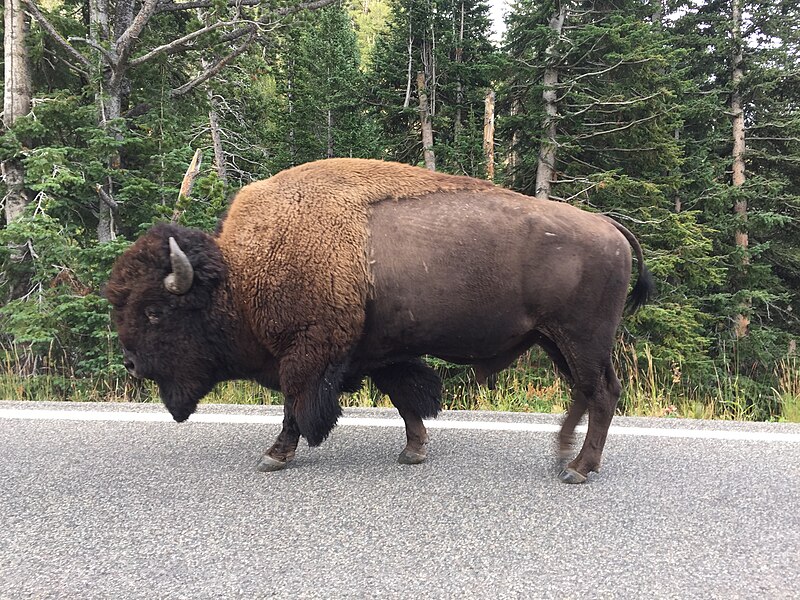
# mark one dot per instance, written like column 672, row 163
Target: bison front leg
column 416, row 390
column 282, row 451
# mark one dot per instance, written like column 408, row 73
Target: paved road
column 141, row 507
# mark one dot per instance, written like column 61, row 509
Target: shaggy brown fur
column 312, row 221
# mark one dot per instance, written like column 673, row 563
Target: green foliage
column 459, row 64
column 318, row 110
column 643, row 135
column 62, row 323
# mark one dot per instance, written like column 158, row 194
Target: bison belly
column 468, row 276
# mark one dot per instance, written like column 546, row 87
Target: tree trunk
column 513, row 158
column 216, row 138
column 425, row 121
column 17, row 94
column 109, row 107
column 329, row 134
column 741, row 321
column 488, row 134
column 407, row 101
column 457, row 123
column 546, row 167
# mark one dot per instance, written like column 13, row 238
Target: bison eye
column 153, row 315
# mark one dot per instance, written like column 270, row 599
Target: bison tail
column 317, row 418
column 645, row 287
column 642, row 292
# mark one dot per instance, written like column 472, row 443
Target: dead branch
column 110, row 59
column 175, row 44
column 186, row 185
column 104, row 196
column 281, row 12
column 34, row 11
column 191, row 173
column 129, row 37
column 211, row 71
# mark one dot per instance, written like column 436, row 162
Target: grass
column 787, row 372
column 530, row 385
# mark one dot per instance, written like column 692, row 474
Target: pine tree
column 447, row 41
column 320, row 110
column 760, row 203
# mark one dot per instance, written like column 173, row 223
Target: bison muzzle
column 341, row 269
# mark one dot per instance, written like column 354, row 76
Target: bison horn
column 180, row 280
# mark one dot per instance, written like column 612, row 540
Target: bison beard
column 180, row 398
column 346, row 268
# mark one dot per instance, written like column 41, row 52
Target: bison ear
column 180, row 279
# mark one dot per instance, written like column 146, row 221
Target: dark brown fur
column 344, row 268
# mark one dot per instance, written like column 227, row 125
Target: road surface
column 117, row 501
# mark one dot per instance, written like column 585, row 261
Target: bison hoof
column 569, row 475
column 267, row 464
column 409, row 457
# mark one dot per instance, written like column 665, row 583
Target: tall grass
column 23, row 377
column 787, row 372
column 530, row 385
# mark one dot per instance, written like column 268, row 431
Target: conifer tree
column 746, row 187
column 321, row 112
column 448, row 42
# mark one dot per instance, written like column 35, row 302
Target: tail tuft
column 642, row 292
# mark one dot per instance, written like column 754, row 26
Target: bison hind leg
column 416, row 390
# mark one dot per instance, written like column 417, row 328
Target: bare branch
column 598, row 102
column 125, row 42
column 175, row 44
column 612, row 67
column 624, row 127
column 107, row 200
column 281, row 12
column 211, row 71
column 191, row 173
column 92, row 44
column 315, row 5
column 175, row 6
column 34, row 11
column 186, row 185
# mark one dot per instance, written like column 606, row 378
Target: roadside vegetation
column 678, row 118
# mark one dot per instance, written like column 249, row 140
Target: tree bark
column 216, row 138
column 741, row 321
column 513, row 158
column 488, row 134
column 109, row 107
column 546, row 169
column 17, row 93
column 457, row 123
column 407, row 101
column 425, row 121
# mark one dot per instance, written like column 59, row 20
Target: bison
column 340, row 269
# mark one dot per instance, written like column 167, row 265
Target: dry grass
column 530, row 385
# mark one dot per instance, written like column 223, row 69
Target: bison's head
column 164, row 290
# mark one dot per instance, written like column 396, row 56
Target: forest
column 678, row 118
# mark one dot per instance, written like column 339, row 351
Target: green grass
column 528, row 386
column 787, row 372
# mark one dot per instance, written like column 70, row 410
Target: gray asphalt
column 96, row 509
